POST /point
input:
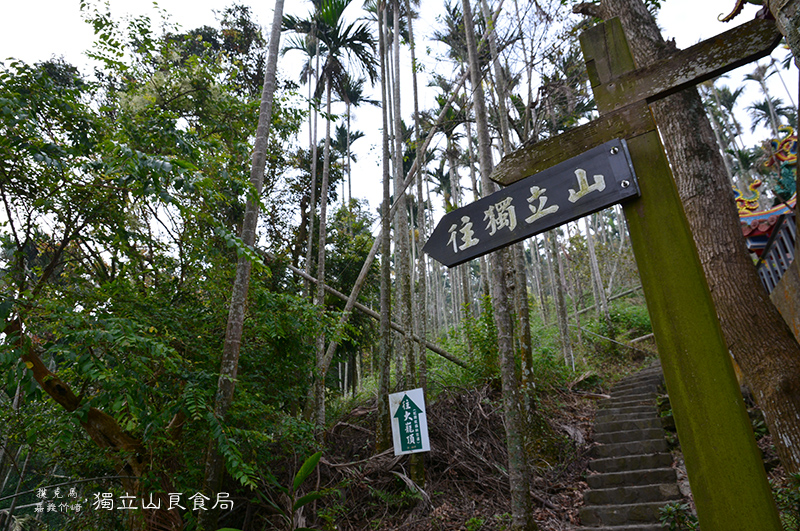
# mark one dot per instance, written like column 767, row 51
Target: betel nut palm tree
column 346, row 44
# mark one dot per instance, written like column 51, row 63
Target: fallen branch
column 613, row 340
column 352, row 426
column 544, row 502
column 413, row 486
column 375, row 315
column 354, row 463
column 617, row 296
column 643, row 338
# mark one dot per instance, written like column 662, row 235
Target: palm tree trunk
column 233, row 335
column 349, row 160
column 522, row 516
column 527, row 118
column 485, row 282
column 521, row 303
column 561, row 302
column 402, row 256
column 319, row 301
column 384, row 436
column 773, row 116
column 539, row 275
column 600, row 299
column 715, row 125
column 312, row 208
column 418, row 460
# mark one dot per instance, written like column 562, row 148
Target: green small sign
column 408, row 419
column 409, row 422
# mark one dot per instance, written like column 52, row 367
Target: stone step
column 623, row 425
column 647, row 371
column 628, row 401
column 636, row 389
column 615, row 411
column 645, row 379
column 663, row 492
column 652, row 446
column 633, row 390
column 624, row 417
column 631, row 462
column 612, row 437
column 654, row 380
column 631, row 478
column 618, row 515
column 641, row 377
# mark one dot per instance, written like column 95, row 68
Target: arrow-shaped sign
column 409, row 422
column 408, row 417
column 589, row 182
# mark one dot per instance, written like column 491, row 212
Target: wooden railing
column 778, row 253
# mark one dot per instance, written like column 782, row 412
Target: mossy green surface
column 725, row 471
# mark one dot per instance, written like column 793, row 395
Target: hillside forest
column 203, row 313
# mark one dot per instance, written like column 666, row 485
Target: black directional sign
column 579, row 186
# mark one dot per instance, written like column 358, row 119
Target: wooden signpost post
column 724, row 465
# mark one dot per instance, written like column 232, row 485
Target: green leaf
column 306, row 499
column 228, row 529
column 306, row 470
column 276, row 507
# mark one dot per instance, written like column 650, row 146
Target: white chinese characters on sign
column 501, row 214
column 467, row 235
column 584, row 187
column 539, row 211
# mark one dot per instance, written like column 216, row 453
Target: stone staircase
column 631, row 474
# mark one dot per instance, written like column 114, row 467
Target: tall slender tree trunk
column 773, row 116
column 229, row 365
column 349, row 160
column 421, row 324
column 717, row 128
column 403, row 255
column 521, row 304
column 11, row 525
column 561, row 301
column 312, row 208
column 736, row 132
column 539, row 276
column 527, row 118
column 770, row 358
column 321, row 367
column 484, row 262
column 600, row 299
column 384, row 436
column 522, row 516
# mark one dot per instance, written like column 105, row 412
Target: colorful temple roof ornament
column 747, row 204
column 783, row 151
column 783, row 161
column 758, row 224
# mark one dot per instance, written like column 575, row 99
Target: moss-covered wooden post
column 724, row 465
